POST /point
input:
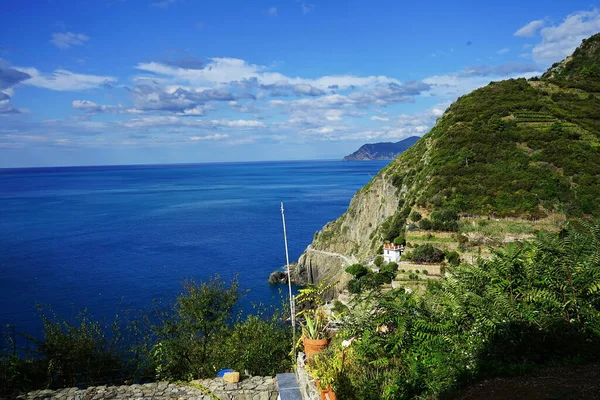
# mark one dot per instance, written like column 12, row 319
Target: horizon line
column 183, row 163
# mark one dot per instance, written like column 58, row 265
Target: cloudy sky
column 166, row 81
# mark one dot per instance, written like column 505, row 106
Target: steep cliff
column 525, row 150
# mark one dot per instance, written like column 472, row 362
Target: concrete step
column 288, row 387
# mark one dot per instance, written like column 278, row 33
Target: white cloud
column 561, row 40
column 216, row 136
column 377, row 118
column 198, row 110
column 530, row 29
column 305, row 7
column 93, row 108
column 63, row 80
column 64, row 40
column 456, row 84
column 272, row 11
column 241, row 123
column 503, row 51
column 87, row 105
column 223, row 71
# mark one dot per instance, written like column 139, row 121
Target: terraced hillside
column 504, row 161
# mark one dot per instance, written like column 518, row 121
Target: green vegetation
column 441, row 220
column 378, row 261
column 426, row 253
column 453, row 257
column 582, row 71
column 533, row 303
column 201, row 333
column 415, row 216
column 512, row 148
column 358, row 270
column 365, row 279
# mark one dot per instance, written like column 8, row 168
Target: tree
column 205, row 310
column 358, row 270
column 427, row 254
column 453, row 257
column 378, row 261
column 415, row 216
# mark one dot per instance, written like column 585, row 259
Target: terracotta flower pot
column 314, row 346
column 328, row 394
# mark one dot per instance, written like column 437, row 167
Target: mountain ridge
column 382, row 150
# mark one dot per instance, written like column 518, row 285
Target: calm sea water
column 105, row 238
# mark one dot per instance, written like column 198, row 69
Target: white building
column 392, row 252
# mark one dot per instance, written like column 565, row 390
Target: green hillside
column 514, row 148
column 503, row 162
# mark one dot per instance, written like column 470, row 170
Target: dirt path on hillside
column 580, row 382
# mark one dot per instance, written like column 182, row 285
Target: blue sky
column 166, row 81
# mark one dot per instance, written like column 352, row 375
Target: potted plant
column 312, row 318
column 324, row 369
column 315, row 332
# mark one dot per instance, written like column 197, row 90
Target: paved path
column 348, row 261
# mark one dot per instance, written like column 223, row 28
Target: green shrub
column 415, row 216
column 425, row 224
column 389, row 270
column 354, row 286
column 427, row 254
column 400, row 240
column 453, row 257
column 339, row 308
column 378, row 261
column 499, row 316
column 358, row 270
column 198, row 335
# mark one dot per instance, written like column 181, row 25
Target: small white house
column 392, row 252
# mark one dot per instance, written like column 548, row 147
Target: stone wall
column 253, row 388
column 305, row 382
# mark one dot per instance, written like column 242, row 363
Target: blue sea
column 116, row 237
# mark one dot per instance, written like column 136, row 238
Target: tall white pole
column 292, row 307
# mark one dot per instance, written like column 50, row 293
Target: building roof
column 390, row 246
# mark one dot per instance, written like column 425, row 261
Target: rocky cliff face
column 350, row 238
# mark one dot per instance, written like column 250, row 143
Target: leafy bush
column 378, row 261
column 80, row 352
column 358, row 270
column 425, row 224
column 354, row 286
column 453, row 257
column 399, row 240
column 198, row 335
column 389, row 271
column 183, row 350
column 501, row 315
column 339, row 308
column 415, row 216
column 259, row 344
column 427, row 254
